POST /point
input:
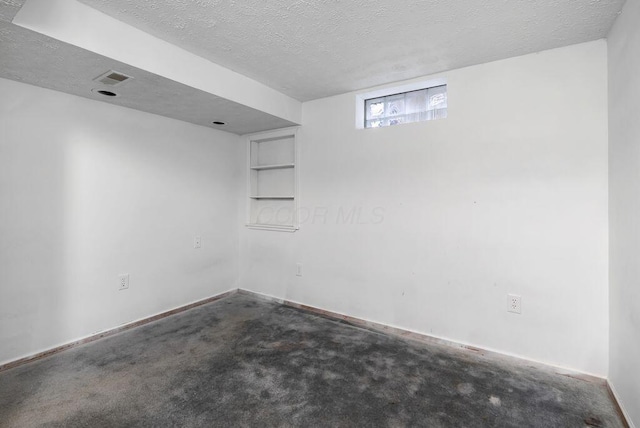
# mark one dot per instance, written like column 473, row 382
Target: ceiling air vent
column 113, row 78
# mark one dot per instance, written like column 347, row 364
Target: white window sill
column 272, row 227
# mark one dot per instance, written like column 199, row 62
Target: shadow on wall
column 91, row 191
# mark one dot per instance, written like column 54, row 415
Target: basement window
column 415, row 102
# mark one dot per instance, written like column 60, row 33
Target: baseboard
column 357, row 322
column 111, row 332
column 425, row 338
column 624, row 415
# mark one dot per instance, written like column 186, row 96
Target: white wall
column 624, row 207
column 507, row 195
column 423, row 226
column 89, row 191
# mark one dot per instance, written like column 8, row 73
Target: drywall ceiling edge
column 36, row 59
column 80, row 25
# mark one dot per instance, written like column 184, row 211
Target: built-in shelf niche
column 273, row 175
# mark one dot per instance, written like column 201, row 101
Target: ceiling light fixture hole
column 105, row 92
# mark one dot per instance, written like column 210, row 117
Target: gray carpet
column 247, row 362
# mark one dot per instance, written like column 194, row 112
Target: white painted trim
column 43, row 353
column 391, row 90
column 275, row 133
column 271, row 227
column 616, row 396
column 444, row 341
column 232, row 291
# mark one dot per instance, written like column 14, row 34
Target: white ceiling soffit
column 78, row 25
column 33, row 58
column 313, row 49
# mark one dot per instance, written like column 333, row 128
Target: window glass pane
column 395, row 105
column 374, row 123
column 413, row 106
column 395, row 109
column 437, row 98
column 375, row 108
column 437, row 103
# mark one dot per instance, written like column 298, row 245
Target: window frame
column 387, row 91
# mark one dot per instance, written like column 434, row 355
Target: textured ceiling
column 9, row 9
column 311, row 49
column 29, row 57
column 303, row 48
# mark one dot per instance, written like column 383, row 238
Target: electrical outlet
column 514, row 304
column 298, row 269
column 197, row 242
column 123, row 282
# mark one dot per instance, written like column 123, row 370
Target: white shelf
column 283, row 228
column 272, row 197
column 266, row 167
column 272, row 181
